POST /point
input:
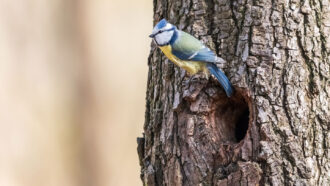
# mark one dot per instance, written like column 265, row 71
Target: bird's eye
column 160, row 31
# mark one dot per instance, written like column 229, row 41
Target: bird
column 189, row 53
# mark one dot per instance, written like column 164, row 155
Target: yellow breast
column 192, row 67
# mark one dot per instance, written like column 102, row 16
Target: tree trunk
column 274, row 130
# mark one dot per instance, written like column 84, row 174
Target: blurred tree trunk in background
column 274, row 130
column 63, row 101
column 39, row 63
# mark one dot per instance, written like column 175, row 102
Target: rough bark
column 274, row 130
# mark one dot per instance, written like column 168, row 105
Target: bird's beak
column 152, row 35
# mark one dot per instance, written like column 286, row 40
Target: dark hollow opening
column 232, row 117
column 242, row 125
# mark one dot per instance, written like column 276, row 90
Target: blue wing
column 188, row 48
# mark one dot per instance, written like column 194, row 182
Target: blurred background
column 73, row 77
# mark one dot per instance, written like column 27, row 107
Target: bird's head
column 163, row 32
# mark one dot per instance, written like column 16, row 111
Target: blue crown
column 161, row 23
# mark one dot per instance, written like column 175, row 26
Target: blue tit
column 189, row 53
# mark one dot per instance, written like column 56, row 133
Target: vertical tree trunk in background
column 275, row 129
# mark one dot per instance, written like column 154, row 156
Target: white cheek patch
column 164, row 38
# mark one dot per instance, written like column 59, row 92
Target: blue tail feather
column 221, row 78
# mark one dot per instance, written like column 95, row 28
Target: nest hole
column 242, row 125
column 232, row 117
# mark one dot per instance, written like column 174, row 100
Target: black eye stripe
column 160, row 31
